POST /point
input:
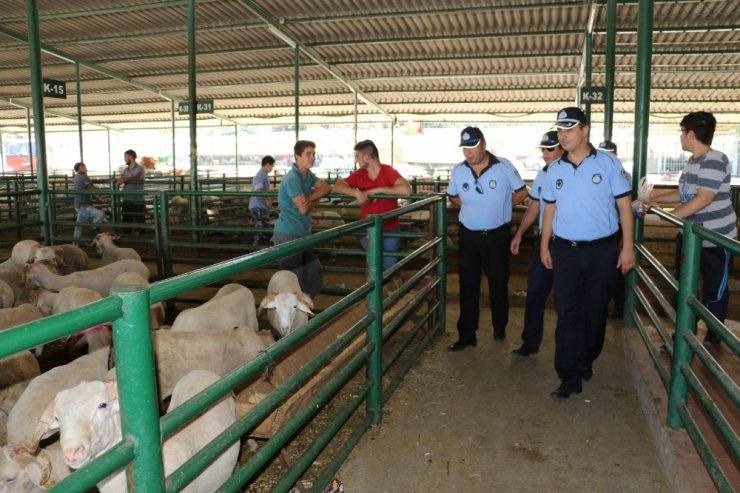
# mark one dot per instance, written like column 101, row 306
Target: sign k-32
column 593, row 95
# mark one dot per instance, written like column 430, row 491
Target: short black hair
column 368, row 147
column 702, row 123
column 268, row 160
column 301, row 145
column 131, row 153
column 77, row 166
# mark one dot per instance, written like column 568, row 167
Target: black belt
column 586, row 243
column 485, row 232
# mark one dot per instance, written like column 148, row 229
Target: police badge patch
column 559, row 183
column 492, row 184
column 596, row 179
column 465, row 187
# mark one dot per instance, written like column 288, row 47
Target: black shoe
column 711, row 339
column 460, row 345
column 499, row 335
column 564, row 391
column 588, row 372
column 525, row 350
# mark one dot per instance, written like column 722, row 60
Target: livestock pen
column 386, row 335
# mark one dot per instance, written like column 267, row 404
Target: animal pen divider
column 308, row 367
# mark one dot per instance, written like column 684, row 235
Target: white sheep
column 13, row 268
column 25, row 471
column 178, row 209
column 26, row 412
column 156, row 310
column 326, row 219
column 16, row 373
column 69, row 298
column 177, row 353
column 62, row 259
column 287, row 306
column 89, row 423
column 100, row 279
column 110, row 252
column 232, row 306
column 7, row 296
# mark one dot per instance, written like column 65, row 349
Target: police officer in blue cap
column 580, row 241
column 485, row 187
column 539, row 280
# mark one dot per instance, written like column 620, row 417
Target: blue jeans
column 390, row 244
column 84, row 214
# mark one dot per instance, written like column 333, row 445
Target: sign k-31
column 55, row 88
column 202, row 106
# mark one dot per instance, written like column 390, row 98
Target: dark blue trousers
column 479, row 253
column 539, row 283
column 584, row 280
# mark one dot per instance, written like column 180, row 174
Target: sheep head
column 286, row 305
column 88, row 420
column 21, row 470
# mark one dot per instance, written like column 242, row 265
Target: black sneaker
column 460, row 345
column 525, row 350
column 565, row 390
column 711, row 339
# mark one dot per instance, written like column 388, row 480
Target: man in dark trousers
column 580, row 242
column 539, row 281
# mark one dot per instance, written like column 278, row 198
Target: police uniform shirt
column 535, row 193
column 585, row 195
column 485, row 202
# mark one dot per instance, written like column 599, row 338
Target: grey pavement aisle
column 481, row 420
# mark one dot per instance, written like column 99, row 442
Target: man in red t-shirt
column 370, row 179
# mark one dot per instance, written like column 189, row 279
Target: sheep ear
column 46, row 426
column 267, row 302
column 306, row 299
column 111, row 387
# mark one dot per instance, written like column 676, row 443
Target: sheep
column 7, row 296
column 104, row 245
column 23, row 471
column 62, row 259
column 232, row 306
column 69, row 298
column 10, row 317
column 89, row 423
column 100, row 279
column 26, row 412
column 156, row 311
column 12, row 269
column 287, row 307
column 326, row 219
column 177, row 353
column 16, row 373
column 178, row 209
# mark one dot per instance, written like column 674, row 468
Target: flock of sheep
column 79, row 400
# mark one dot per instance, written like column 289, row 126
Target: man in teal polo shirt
column 299, row 193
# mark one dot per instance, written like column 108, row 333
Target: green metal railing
column 143, row 431
column 681, row 377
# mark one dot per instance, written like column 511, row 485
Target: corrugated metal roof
column 429, row 58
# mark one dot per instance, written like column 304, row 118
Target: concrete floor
column 481, row 420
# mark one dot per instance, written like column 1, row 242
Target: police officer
column 539, row 280
column 581, row 220
column 485, row 187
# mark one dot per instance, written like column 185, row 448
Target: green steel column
column 34, row 48
column 172, row 119
column 589, row 71
column 441, row 224
column 192, row 97
column 685, row 322
column 375, row 329
column 137, row 389
column 611, row 43
column 79, row 110
column 297, row 89
column 642, row 121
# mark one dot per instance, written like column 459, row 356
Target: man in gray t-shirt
column 260, row 206
column 83, row 202
column 133, row 208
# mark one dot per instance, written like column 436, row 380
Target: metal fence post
column 137, row 389
column 685, row 322
column 375, row 329
column 441, row 226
